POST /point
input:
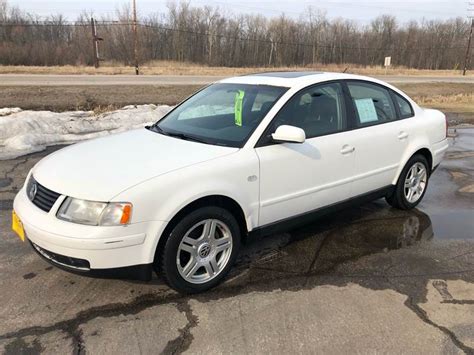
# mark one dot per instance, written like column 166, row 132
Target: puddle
column 365, row 244
column 347, row 236
column 453, row 224
column 463, row 140
column 449, row 200
column 6, row 205
column 5, row 182
column 350, row 235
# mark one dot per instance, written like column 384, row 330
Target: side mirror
column 291, row 134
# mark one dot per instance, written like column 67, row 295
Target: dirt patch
column 420, row 90
column 97, row 98
column 455, row 99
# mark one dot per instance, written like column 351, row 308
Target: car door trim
column 375, row 172
column 308, row 217
column 305, row 192
column 313, row 190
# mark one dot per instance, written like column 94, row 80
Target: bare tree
column 209, row 35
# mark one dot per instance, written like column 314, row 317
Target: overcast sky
column 362, row 11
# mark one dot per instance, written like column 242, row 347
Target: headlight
column 95, row 213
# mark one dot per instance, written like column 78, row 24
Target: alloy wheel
column 204, row 251
column 415, row 182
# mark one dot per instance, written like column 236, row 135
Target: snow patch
column 24, row 132
column 9, row 110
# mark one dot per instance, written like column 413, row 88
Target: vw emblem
column 32, row 189
column 204, row 250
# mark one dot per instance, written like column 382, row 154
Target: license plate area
column 17, row 226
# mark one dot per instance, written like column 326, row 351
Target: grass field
column 177, row 68
column 98, row 98
column 455, row 99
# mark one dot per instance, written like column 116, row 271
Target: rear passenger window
column 404, row 106
column 373, row 103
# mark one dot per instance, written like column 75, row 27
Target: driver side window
column 318, row 110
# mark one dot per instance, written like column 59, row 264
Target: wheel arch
column 427, row 154
column 421, row 150
column 223, row 201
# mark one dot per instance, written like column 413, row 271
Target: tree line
column 206, row 35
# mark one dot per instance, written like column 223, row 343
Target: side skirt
column 309, row 217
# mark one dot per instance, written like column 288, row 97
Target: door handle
column 347, row 149
column 402, row 135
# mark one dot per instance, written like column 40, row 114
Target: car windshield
column 221, row 114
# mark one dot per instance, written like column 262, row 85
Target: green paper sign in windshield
column 239, row 98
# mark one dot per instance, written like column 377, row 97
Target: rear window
column 404, row 106
column 373, row 103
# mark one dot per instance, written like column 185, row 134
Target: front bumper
column 102, row 247
column 78, row 266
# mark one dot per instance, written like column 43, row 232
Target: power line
column 223, row 36
column 240, row 38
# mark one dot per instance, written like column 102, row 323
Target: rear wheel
column 200, row 250
column 411, row 185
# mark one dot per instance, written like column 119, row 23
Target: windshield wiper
column 155, row 128
column 158, row 129
column 186, row 137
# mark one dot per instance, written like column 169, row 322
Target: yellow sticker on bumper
column 17, row 226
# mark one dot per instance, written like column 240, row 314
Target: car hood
column 101, row 168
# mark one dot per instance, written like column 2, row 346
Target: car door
column 298, row 178
column 379, row 137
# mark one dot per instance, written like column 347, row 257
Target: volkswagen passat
column 248, row 154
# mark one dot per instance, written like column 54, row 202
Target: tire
column 193, row 259
column 400, row 197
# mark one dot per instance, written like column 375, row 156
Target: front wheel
column 412, row 184
column 200, row 250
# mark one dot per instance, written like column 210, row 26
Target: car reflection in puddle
column 319, row 248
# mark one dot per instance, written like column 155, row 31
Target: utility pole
column 95, row 43
column 468, row 50
column 135, row 37
column 271, row 53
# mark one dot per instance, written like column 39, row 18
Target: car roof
column 286, row 74
column 292, row 78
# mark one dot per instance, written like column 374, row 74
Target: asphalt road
column 53, row 80
column 367, row 280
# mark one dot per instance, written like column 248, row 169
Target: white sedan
column 249, row 154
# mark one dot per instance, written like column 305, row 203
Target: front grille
column 62, row 260
column 42, row 197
